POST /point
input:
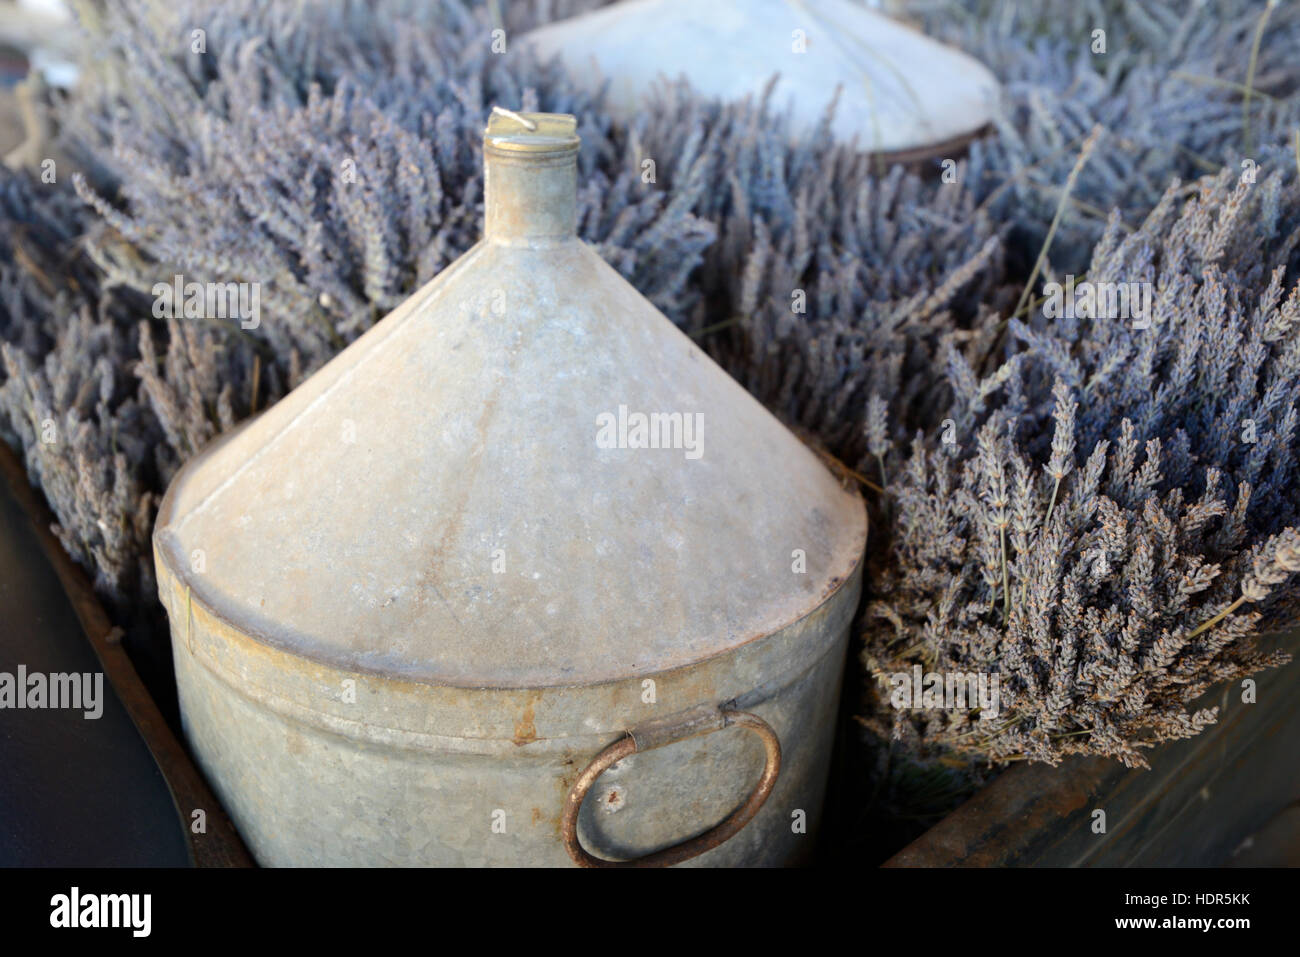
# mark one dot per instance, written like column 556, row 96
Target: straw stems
column 1250, row 76
column 1006, row 585
column 1026, row 299
column 1084, row 153
column 1056, row 488
column 1206, row 626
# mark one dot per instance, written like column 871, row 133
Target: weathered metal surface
column 898, row 90
column 110, row 832
column 1201, row 799
column 413, row 773
column 410, row 602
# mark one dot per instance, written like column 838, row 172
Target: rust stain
column 525, row 727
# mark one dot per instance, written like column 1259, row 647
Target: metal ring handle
column 694, row 724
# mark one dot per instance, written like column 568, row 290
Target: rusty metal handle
column 656, row 734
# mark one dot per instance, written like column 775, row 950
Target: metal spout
column 530, row 178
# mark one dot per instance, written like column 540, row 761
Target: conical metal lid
column 461, row 497
column 901, row 91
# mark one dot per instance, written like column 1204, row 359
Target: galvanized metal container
column 437, row 606
column 897, row 91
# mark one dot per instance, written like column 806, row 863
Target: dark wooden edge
column 221, row 845
column 1031, row 814
column 1007, row 816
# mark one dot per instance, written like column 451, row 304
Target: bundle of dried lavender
column 103, row 422
column 1114, row 519
column 1177, row 89
column 330, row 154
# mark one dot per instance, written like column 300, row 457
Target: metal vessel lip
column 452, row 718
column 421, row 714
column 196, row 592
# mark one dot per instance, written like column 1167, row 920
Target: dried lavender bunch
column 1214, row 371
column 1109, row 593
column 1102, row 613
column 1169, row 93
column 38, row 275
column 102, row 422
column 830, row 281
column 61, row 369
column 66, row 414
column 331, row 153
column 786, row 228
